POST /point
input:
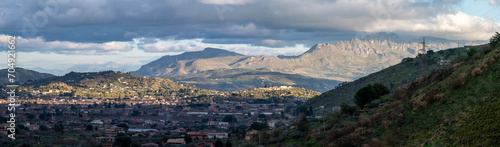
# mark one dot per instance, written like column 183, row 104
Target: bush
column 347, row 109
column 459, row 59
column 458, row 82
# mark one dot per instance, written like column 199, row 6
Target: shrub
column 347, row 109
column 459, row 59
column 419, row 105
column 458, row 82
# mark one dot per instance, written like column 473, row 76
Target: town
column 77, row 121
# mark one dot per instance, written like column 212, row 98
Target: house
column 444, row 62
column 4, row 131
column 105, row 139
column 212, row 123
column 217, row 135
column 179, row 130
column 107, row 144
column 97, row 122
column 197, row 135
column 271, row 123
column 178, row 141
column 223, row 125
column 137, row 121
column 71, row 140
column 150, row 132
column 206, row 144
column 149, row 145
column 33, row 127
column 249, row 134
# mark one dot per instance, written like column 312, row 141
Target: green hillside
column 395, row 76
column 23, row 75
column 111, row 84
column 117, row 85
column 452, row 106
column 239, row 79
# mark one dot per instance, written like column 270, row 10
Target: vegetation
column 122, row 86
column 240, row 79
column 23, row 76
column 495, row 40
column 370, row 93
column 451, row 106
column 395, row 76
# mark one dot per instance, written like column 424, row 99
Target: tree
column 261, row 116
column 229, row 118
column 89, row 127
column 495, row 40
column 30, row 116
column 59, row 128
column 364, row 96
column 188, row 139
column 310, row 110
column 42, row 116
column 43, row 128
column 369, row 93
column 380, row 89
column 124, row 126
column 302, row 124
column 229, row 144
column 303, row 109
column 347, row 109
column 219, row 143
column 259, row 126
column 123, row 141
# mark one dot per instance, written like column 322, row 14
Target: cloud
column 66, row 47
column 273, row 43
column 494, row 2
column 234, row 21
column 227, row 2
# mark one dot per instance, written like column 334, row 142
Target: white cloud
column 158, row 47
column 459, row 26
column 273, row 43
column 38, row 44
column 494, row 2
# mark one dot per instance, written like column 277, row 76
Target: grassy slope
column 397, row 75
column 452, row 107
column 239, row 79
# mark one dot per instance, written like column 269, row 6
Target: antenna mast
column 424, row 66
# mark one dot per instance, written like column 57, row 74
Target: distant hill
column 111, row 84
column 175, row 65
column 24, row 75
column 239, row 79
column 117, row 85
column 407, row 70
column 343, row 61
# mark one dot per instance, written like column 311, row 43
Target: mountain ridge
column 24, row 75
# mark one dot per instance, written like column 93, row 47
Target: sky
column 59, row 34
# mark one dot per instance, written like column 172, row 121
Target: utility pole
column 423, row 57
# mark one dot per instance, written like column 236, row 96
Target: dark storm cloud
column 273, row 23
